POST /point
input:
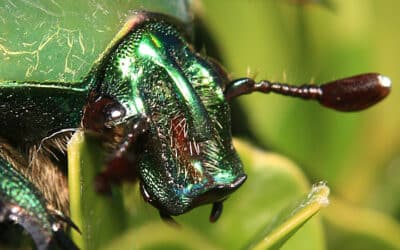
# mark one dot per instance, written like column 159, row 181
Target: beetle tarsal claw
column 59, row 215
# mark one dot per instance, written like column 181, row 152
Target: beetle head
column 188, row 158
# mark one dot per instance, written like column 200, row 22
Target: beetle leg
column 121, row 165
column 105, row 117
column 216, row 211
column 60, row 216
column 22, row 203
column 348, row 94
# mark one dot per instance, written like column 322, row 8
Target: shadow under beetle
column 161, row 110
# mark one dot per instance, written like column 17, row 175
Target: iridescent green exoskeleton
column 161, row 110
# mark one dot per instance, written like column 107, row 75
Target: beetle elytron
column 162, row 111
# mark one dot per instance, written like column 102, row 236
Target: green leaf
column 351, row 227
column 287, row 223
column 100, row 218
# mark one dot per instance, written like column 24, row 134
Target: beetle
column 161, row 111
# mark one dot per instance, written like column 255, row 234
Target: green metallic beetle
column 161, row 110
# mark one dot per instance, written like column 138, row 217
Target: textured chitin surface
column 22, row 203
column 36, row 110
column 190, row 150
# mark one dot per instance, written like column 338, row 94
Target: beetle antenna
column 349, row 94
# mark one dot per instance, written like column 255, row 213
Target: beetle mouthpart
column 219, row 192
column 238, row 182
column 229, row 188
column 216, row 211
column 168, row 219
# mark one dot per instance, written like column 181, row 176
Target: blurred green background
column 282, row 40
column 276, row 40
column 357, row 153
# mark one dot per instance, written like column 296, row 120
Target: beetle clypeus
column 161, row 110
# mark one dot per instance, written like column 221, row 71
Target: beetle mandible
column 161, row 110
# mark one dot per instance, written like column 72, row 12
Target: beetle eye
column 113, row 112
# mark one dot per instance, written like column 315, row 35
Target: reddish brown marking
column 180, row 141
column 185, row 148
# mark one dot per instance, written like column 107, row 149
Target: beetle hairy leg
column 349, row 94
column 103, row 116
column 122, row 163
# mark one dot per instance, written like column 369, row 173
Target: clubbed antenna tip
column 355, row 93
